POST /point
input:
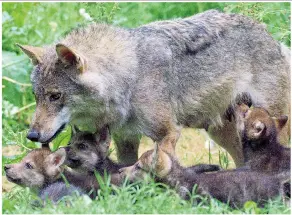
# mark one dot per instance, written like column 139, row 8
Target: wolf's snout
column 33, row 135
column 6, row 167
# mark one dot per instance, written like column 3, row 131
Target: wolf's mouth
column 57, row 132
column 14, row 180
column 73, row 163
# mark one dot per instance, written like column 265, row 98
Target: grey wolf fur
column 157, row 78
column 230, row 187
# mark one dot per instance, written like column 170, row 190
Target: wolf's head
column 87, row 150
column 56, row 87
column 156, row 161
column 37, row 168
column 80, row 79
column 256, row 124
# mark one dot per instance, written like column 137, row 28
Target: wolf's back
column 198, row 31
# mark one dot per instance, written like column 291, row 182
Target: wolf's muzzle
column 56, row 134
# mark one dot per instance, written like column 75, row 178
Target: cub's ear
column 70, row 57
column 57, row 158
column 74, row 129
column 103, row 136
column 280, row 121
column 103, row 140
column 242, row 110
column 34, row 53
column 158, row 155
column 161, row 161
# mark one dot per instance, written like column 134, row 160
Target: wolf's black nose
column 33, row 135
column 6, row 168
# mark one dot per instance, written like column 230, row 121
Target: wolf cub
column 41, row 171
column 88, row 152
column 259, row 136
column 230, row 187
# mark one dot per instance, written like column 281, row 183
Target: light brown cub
column 41, row 171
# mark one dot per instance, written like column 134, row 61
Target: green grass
column 42, row 23
column 131, row 199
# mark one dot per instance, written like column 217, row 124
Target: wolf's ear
column 103, row 136
column 57, row 158
column 34, row 53
column 70, row 57
column 280, row 121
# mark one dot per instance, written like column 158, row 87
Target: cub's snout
column 11, row 174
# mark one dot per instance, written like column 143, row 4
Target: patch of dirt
column 11, row 150
column 192, row 148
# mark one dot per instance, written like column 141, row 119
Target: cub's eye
column 55, row 96
column 244, row 113
column 82, row 146
column 28, row 166
column 137, row 167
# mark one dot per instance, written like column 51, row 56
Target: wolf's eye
column 28, row 166
column 55, row 96
column 82, row 146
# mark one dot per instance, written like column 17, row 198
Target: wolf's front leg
column 127, row 148
column 226, row 137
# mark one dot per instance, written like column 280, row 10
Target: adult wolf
column 154, row 79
